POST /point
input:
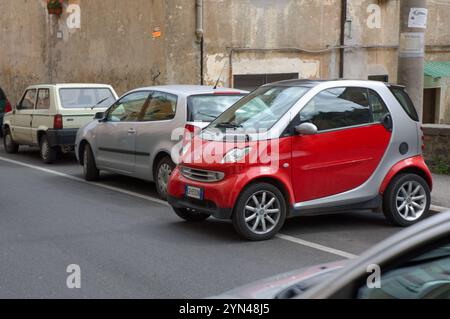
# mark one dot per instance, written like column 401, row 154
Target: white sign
column 412, row 44
column 418, row 18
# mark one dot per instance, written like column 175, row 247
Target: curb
column 438, row 209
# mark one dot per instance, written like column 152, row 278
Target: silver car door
column 116, row 135
column 154, row 130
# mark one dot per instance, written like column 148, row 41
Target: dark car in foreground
column 5, row 107
column 412, row 264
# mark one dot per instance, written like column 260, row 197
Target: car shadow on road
column 31, row 155
column 344, row 221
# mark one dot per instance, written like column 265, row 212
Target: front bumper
column 219, row 197
column 62, row 137
column 204, row 206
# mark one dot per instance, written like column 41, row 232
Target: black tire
column 404, row 217
column 90, row 171
column 190, row 215
column 48, row 153
column 10, row 146
column 241, row 212
column 164, row 169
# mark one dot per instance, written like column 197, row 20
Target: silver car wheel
column 411, row 201
column 262, row 212
column 163, row 177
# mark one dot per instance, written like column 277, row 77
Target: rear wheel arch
column 157, row 159
column 408, row 170
column 40, row 134
column 83, row 144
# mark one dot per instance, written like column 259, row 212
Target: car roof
column 71, row 85
column 313, row 83
column 187, row 90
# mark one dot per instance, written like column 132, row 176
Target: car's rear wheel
column 10, row 146
column 260, row 212
column 190, row 215
column 406, row 200
column 90, row 170
column 163, row 171
column 48, row 153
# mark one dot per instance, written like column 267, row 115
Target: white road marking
column 316, row 246
column 74, row 178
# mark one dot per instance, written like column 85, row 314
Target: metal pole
column 413, row 17
column 344, row 8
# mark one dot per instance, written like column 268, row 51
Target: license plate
column 194, row 192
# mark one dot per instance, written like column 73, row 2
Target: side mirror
column 306, row 129
column 99, row 116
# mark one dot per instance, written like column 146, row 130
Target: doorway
column 431, row 99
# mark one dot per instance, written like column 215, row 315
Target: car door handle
column 131, row 131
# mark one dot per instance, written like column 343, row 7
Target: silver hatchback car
column 135, row 136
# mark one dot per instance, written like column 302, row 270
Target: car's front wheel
column 407, row 200
column 260, row 212
column 90, row 170
column 10, row 146
column 164, row 169
column 48, row 153
column 190, row 215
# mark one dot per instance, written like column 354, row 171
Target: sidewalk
column 441, row 190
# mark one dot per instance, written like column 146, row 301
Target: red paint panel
column 334, row 162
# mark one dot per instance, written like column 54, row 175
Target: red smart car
column 297, row 148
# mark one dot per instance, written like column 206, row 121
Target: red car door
column 349, row 144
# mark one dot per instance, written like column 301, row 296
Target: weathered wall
column 261, row 25
column 115, row 44
column 437, row 147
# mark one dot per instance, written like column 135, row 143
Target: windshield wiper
column 229, row 125
column 208, row 115
column 100, row 102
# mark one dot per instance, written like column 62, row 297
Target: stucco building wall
column 115, row 45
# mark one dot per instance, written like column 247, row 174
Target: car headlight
column 235, row 155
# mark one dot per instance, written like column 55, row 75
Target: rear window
column 206, row 108
column 405, row 101
column 74, row 98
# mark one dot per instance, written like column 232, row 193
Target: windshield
column 206, row 108
column 75, row 98
column 261, row 109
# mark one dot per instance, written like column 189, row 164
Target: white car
column 135, row 136
column 50, row 115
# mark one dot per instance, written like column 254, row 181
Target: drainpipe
column 344, row 6
column 199, row 32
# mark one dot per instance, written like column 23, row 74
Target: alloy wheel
column 411, row 200
column 262, row 212
column 163, row 177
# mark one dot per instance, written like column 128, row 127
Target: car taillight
column 8, row 107
column 58, row 122
column 423, row 139
column 189, row 132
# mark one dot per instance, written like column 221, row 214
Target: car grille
column 201, row 175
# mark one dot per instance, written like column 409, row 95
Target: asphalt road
column 129, row 246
